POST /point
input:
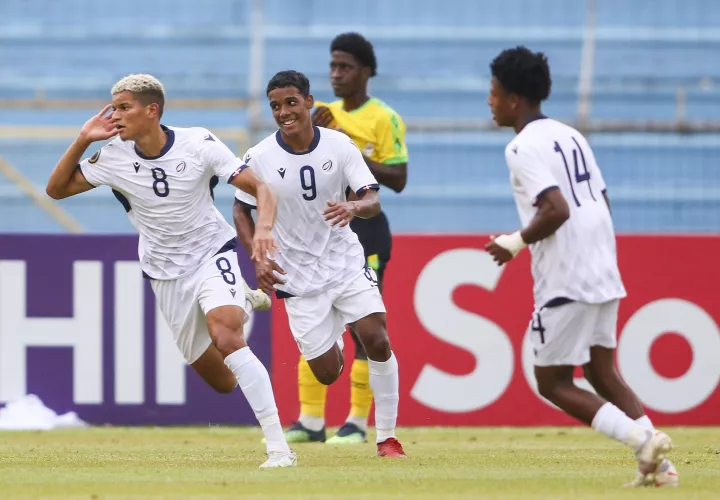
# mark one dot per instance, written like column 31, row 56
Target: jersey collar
column 286, row 147
column 168, row 144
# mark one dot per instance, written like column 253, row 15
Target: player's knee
column 226, row 331
column 377, row 346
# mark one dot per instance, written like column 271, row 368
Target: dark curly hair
column 359, row 47
column 289, row 78
column 523, row 72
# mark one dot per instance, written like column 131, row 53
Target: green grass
column 445, row 463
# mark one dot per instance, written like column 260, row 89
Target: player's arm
column 391, row 170
column 66, row 178
column 263, row 242
column 552, row 208
column 244, row 224
column 366, row 203
column 266, row 269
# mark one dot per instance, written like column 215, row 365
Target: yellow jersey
column 377, row 130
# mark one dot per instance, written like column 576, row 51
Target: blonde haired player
column 163, row 176
column 562, row 202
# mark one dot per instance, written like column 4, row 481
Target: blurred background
column 640, row 77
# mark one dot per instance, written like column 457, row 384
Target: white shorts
column 563, row 335
column 318, row 321
column 185, row 301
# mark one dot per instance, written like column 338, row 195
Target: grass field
column 454, row 463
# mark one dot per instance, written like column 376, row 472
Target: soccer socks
column 255, row 384
column 360, row 394
column 385, row 385
column 612, row 422
column 645, row 421
column 313, row 395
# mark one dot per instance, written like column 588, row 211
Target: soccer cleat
column 349, row 433
column 666, row 477
column 391, row 447
column 278, row 459
column 258, row 299
column 650, row 458
column 297, row 433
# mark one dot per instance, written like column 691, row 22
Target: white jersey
column 168, row 198
column 579, row 261
column 315, row 255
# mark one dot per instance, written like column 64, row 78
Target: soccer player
column 379, row 132
column 320, row 269
column 565, row 213
column 163, row 176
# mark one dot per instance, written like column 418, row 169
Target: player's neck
column 530, row 115
column 351, row 103
column 152, row 143
column 300, row 142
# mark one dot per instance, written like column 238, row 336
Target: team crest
column 327, row 166
column 181, row 167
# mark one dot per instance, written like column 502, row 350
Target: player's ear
column 153, row 110
column 310, row 101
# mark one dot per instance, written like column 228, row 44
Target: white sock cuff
column 645, row 422
column 238, row 358
column 383, row 367
column 606, row 411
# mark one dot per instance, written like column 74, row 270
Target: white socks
column 312, row 423
column 612, row 422
column 255, row 383
column 385, row 385
column 645, row 421
column 361, row 422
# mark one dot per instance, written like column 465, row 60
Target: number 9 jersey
column 579, row 261
column 315, row 255
column 168, row 198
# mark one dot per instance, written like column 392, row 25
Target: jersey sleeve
column 220, row 159
column 357, row 174
column 529, row 170
column 97, row 169
column 391, row 147
column 241, row 196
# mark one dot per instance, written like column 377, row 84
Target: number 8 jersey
column 315, row 255
column 579, row 261
column 168, row 198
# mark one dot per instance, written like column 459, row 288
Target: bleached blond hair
column 146, row 88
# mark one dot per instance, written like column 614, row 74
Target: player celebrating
column 380, row 133
column 163, row 177
column 321, row 269
column 562, row 202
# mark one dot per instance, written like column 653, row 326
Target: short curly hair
column 523, row 72
column 359, row 47
column 289, row 78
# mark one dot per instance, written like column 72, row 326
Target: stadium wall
column 79, row 328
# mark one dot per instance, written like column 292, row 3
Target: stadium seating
column 433, row 63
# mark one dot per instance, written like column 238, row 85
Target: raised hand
column 100, row 127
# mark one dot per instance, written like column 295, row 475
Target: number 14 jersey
column 168, row 198
column 579, row 261
column 315, row 255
